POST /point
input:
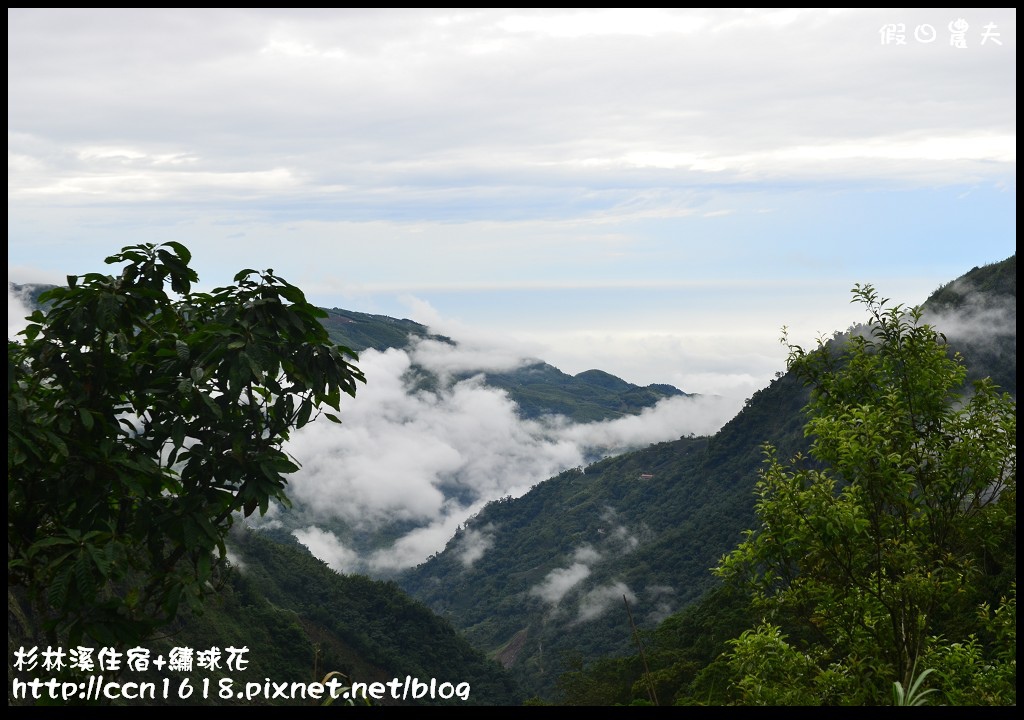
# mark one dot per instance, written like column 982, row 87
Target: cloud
column 669, row 419
column 559, row 582
column 598, row 601
column 981, row 319
column 234, row 559
column 17, row 309
column 586, row 554
column 416, row 545
column 326, row 546
column 574, row 156
column 616, row 537
column 399, row 449
column 626, row 540
column 662, row 598
column 576, row 24
column 509, row 112
column 421, row 457
column 474, row 543
column 445, row 359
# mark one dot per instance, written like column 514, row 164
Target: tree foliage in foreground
column 883, row 554
column 142, row 416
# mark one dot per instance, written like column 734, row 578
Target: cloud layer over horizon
column 589, row 180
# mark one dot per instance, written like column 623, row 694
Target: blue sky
column 653, row 193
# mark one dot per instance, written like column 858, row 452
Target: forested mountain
column 520, row 398
column 539, row 581
column 978, row 312
column 360, row 331
column 299, row 621
column 536, row 387
column 554, row 564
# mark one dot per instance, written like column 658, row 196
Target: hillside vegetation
column 547, row 595
column 529, row 598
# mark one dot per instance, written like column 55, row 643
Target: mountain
column 298, row 621
column 360, row 331
column 442, row 428
column 368, row 629
column 467, row 433
column 29, row 292
column 539, row 581
column 591, row 396
column 978, row 311
column 537, row 388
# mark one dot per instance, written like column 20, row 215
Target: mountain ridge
column 538, row 388
column 675, row 508
column 538, row 581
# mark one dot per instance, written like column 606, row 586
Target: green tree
column 142, row 417
column 878, row 549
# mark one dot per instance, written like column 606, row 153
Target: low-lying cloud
column 981, row 319
column 590, row 603
column 557, row 584
column 560, row 581
column 474, row 543
column 428, row 459
column 17, row 310
column 601, row 599
column 326, row 546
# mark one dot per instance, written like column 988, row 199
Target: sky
column 654, row 193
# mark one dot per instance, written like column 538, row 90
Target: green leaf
column 305, row 410
column 178, row 432
column 203, row 567
column 57, row 594
column 183, row 253
column 50, row 542
column 212, row 405
column 86, row 416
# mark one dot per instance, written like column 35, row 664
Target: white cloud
column 601, row 599
column 644, row 22
column 559, row 582
column 670, row 419
column 978, row 322
column 474, row 544
column 586, row 554
column 17, row 310
column 434, row 458
column 327, row 547
column 417, row 545
column 486, row 105
column 660, row 602
column 445, row 359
